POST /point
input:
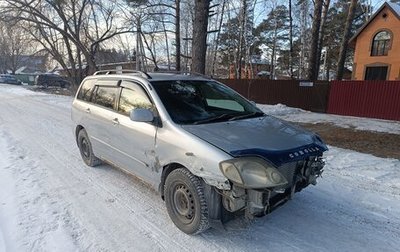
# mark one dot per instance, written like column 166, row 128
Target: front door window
column 132, row 98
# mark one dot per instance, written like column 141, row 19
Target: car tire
column 186, row 202
column 85, row 148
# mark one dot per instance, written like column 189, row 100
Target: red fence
column 376, row 99
column 311, row 96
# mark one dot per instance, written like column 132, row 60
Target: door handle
column 115, row 121
column 87, row 110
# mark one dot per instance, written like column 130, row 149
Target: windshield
column 197, row 102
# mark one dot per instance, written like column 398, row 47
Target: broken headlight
column 252, row 172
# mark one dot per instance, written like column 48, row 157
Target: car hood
column 268, row 137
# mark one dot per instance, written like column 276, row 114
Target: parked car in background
column 210, row 152
column 51, row 80
column 9, row 79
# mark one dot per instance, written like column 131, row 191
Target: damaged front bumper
column 259, row 202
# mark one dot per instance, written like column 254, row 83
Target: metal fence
column 376, row 99
column 307, row 95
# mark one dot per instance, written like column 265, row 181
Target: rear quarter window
column 86, row 90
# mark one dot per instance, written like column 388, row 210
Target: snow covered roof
column 263, row 73
column 395, row 8
column 259, row 61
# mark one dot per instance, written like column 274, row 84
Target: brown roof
column 395, row 8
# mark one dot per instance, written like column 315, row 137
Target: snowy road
column 51, row 201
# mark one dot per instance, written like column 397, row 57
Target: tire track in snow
column 319, row 219
column 50, row 147
column 33, row 204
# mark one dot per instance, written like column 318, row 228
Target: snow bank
column 18, row 90
column 298, row 115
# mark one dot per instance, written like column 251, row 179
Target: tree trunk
column 273, row 56
column 322, row 31
column 178, row 35
column 138, row 51
column 291, row 40
column 153, row 56
column 217, row 39
column 239, row 53
column 166, row 44
column 303, row 31
column 199, row 43
column 328, row 63
column 345, row 40
column 312, row 73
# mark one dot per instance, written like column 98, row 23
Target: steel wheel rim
column 85, row 148
column 183, row 203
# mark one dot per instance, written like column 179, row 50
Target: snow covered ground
column 51, row 201
column 359, row 123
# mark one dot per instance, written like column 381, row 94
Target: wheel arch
column 216, row 212
column 167, row 169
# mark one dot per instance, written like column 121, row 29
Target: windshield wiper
column 254, row 114
column 214, row 118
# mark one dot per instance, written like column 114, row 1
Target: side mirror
column 141, row 115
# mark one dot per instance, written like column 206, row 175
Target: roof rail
column 122, row 71
column 184, row 73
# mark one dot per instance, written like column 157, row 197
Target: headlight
column 252, row 172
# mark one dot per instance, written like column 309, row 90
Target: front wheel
column 85, row 148
column 185, row 201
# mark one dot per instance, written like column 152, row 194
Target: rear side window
column 105, row 96
column 132, row 98
column 86, row 90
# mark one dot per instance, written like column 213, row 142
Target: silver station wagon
column 210, row 153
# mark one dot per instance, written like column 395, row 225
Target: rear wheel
column 185, row 201
column 85, row 148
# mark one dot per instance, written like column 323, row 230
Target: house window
column 376, row 73
column 381, row 44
